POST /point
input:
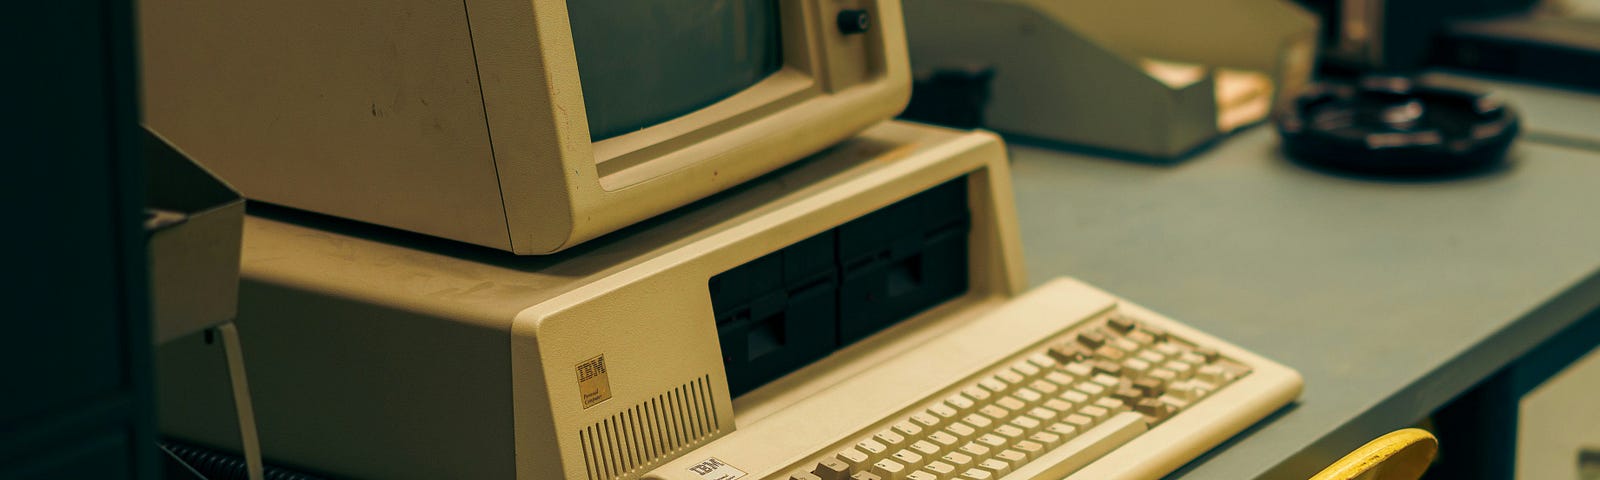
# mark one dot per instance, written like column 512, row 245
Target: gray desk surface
column 1389, row 297
column 1549, row 114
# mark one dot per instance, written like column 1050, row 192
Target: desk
column 1389, row 297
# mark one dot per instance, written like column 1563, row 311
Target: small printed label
column 713, row 469
column 594, row 385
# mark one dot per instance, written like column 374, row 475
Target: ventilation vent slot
column 650, row 432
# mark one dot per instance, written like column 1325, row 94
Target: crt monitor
column 527, row 126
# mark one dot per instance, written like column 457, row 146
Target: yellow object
column 1400, row 455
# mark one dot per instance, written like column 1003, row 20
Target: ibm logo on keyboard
column 713, row 469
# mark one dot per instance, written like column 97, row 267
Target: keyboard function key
column 831, row 469
column 1092, row 339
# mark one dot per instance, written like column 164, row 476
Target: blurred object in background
column 1152, row 79
column 1395, row 127
column 1556, row 44
column 1555, row 41
column 953, row 97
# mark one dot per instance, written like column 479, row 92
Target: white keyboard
column 1090, row 387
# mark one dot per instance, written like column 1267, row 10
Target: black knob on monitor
column 1391, row 125
column 854, row 21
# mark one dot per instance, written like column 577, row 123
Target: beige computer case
column 466, row 121
column 377, row 354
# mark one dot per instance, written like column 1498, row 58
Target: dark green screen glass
column 643, row 62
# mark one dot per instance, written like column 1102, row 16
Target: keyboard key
column 1080, row 421
column 925, row 420
column 976, row 450
column 1045, row 414
column 831, row 469
column 1108, row 381
column 1110, row 354
column 1026, row 369
column 1011, row 402
column 906, row 428
column 1029, row 448
column 1163, row 375
column 1136, row 367
column 961, row 430
column 995, row 412
column 943, row 412
column 998, row 467
column 1066, row 431
column 1094, row 412
column 804, row 476
column 1150, row 387
column 1024, row 396
column 956, row 459
column 960, row 403
column 944, row 440
column 993, row 385
column 978, row 421
column 1092, row 339
column 1120, row 323
column 977, row 393
column 854, row 457
column 921, row 475
column 1152, row 356
column 1027, row 424
column 911, row 460
column 1059, row 405
column 872, row 448
column 1210, row 354
column 865, row 476
column 1068, row 353
column 1141, row 338
column 978, row 474
column 1009, row 431
column 1184, row 370
column 889, row 470
column 1049, row 440
column 939, row 468
column 994, row 441
column 1012, row 378
column 1075, row 397
column 1078, row 369
column 888, row 438
column 926, row 448
column 1107, row 367
column 1043, row 361
column 1112, row 405
column 1015, row 458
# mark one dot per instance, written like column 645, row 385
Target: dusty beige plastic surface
column 1101, row 74
column 781, row 443
column 375, row 354
column 469, row 123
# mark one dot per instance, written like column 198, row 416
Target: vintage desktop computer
column 848, row 303
column 527, row 126
column 858, row 315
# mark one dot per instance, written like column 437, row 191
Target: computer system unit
column 856, row 315
column 527, row 126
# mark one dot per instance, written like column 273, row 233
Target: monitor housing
column 468, row 122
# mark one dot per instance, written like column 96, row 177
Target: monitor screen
column 643, row 62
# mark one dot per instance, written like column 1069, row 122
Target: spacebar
column 1078, row 452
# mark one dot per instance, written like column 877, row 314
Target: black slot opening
column 794, row 306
